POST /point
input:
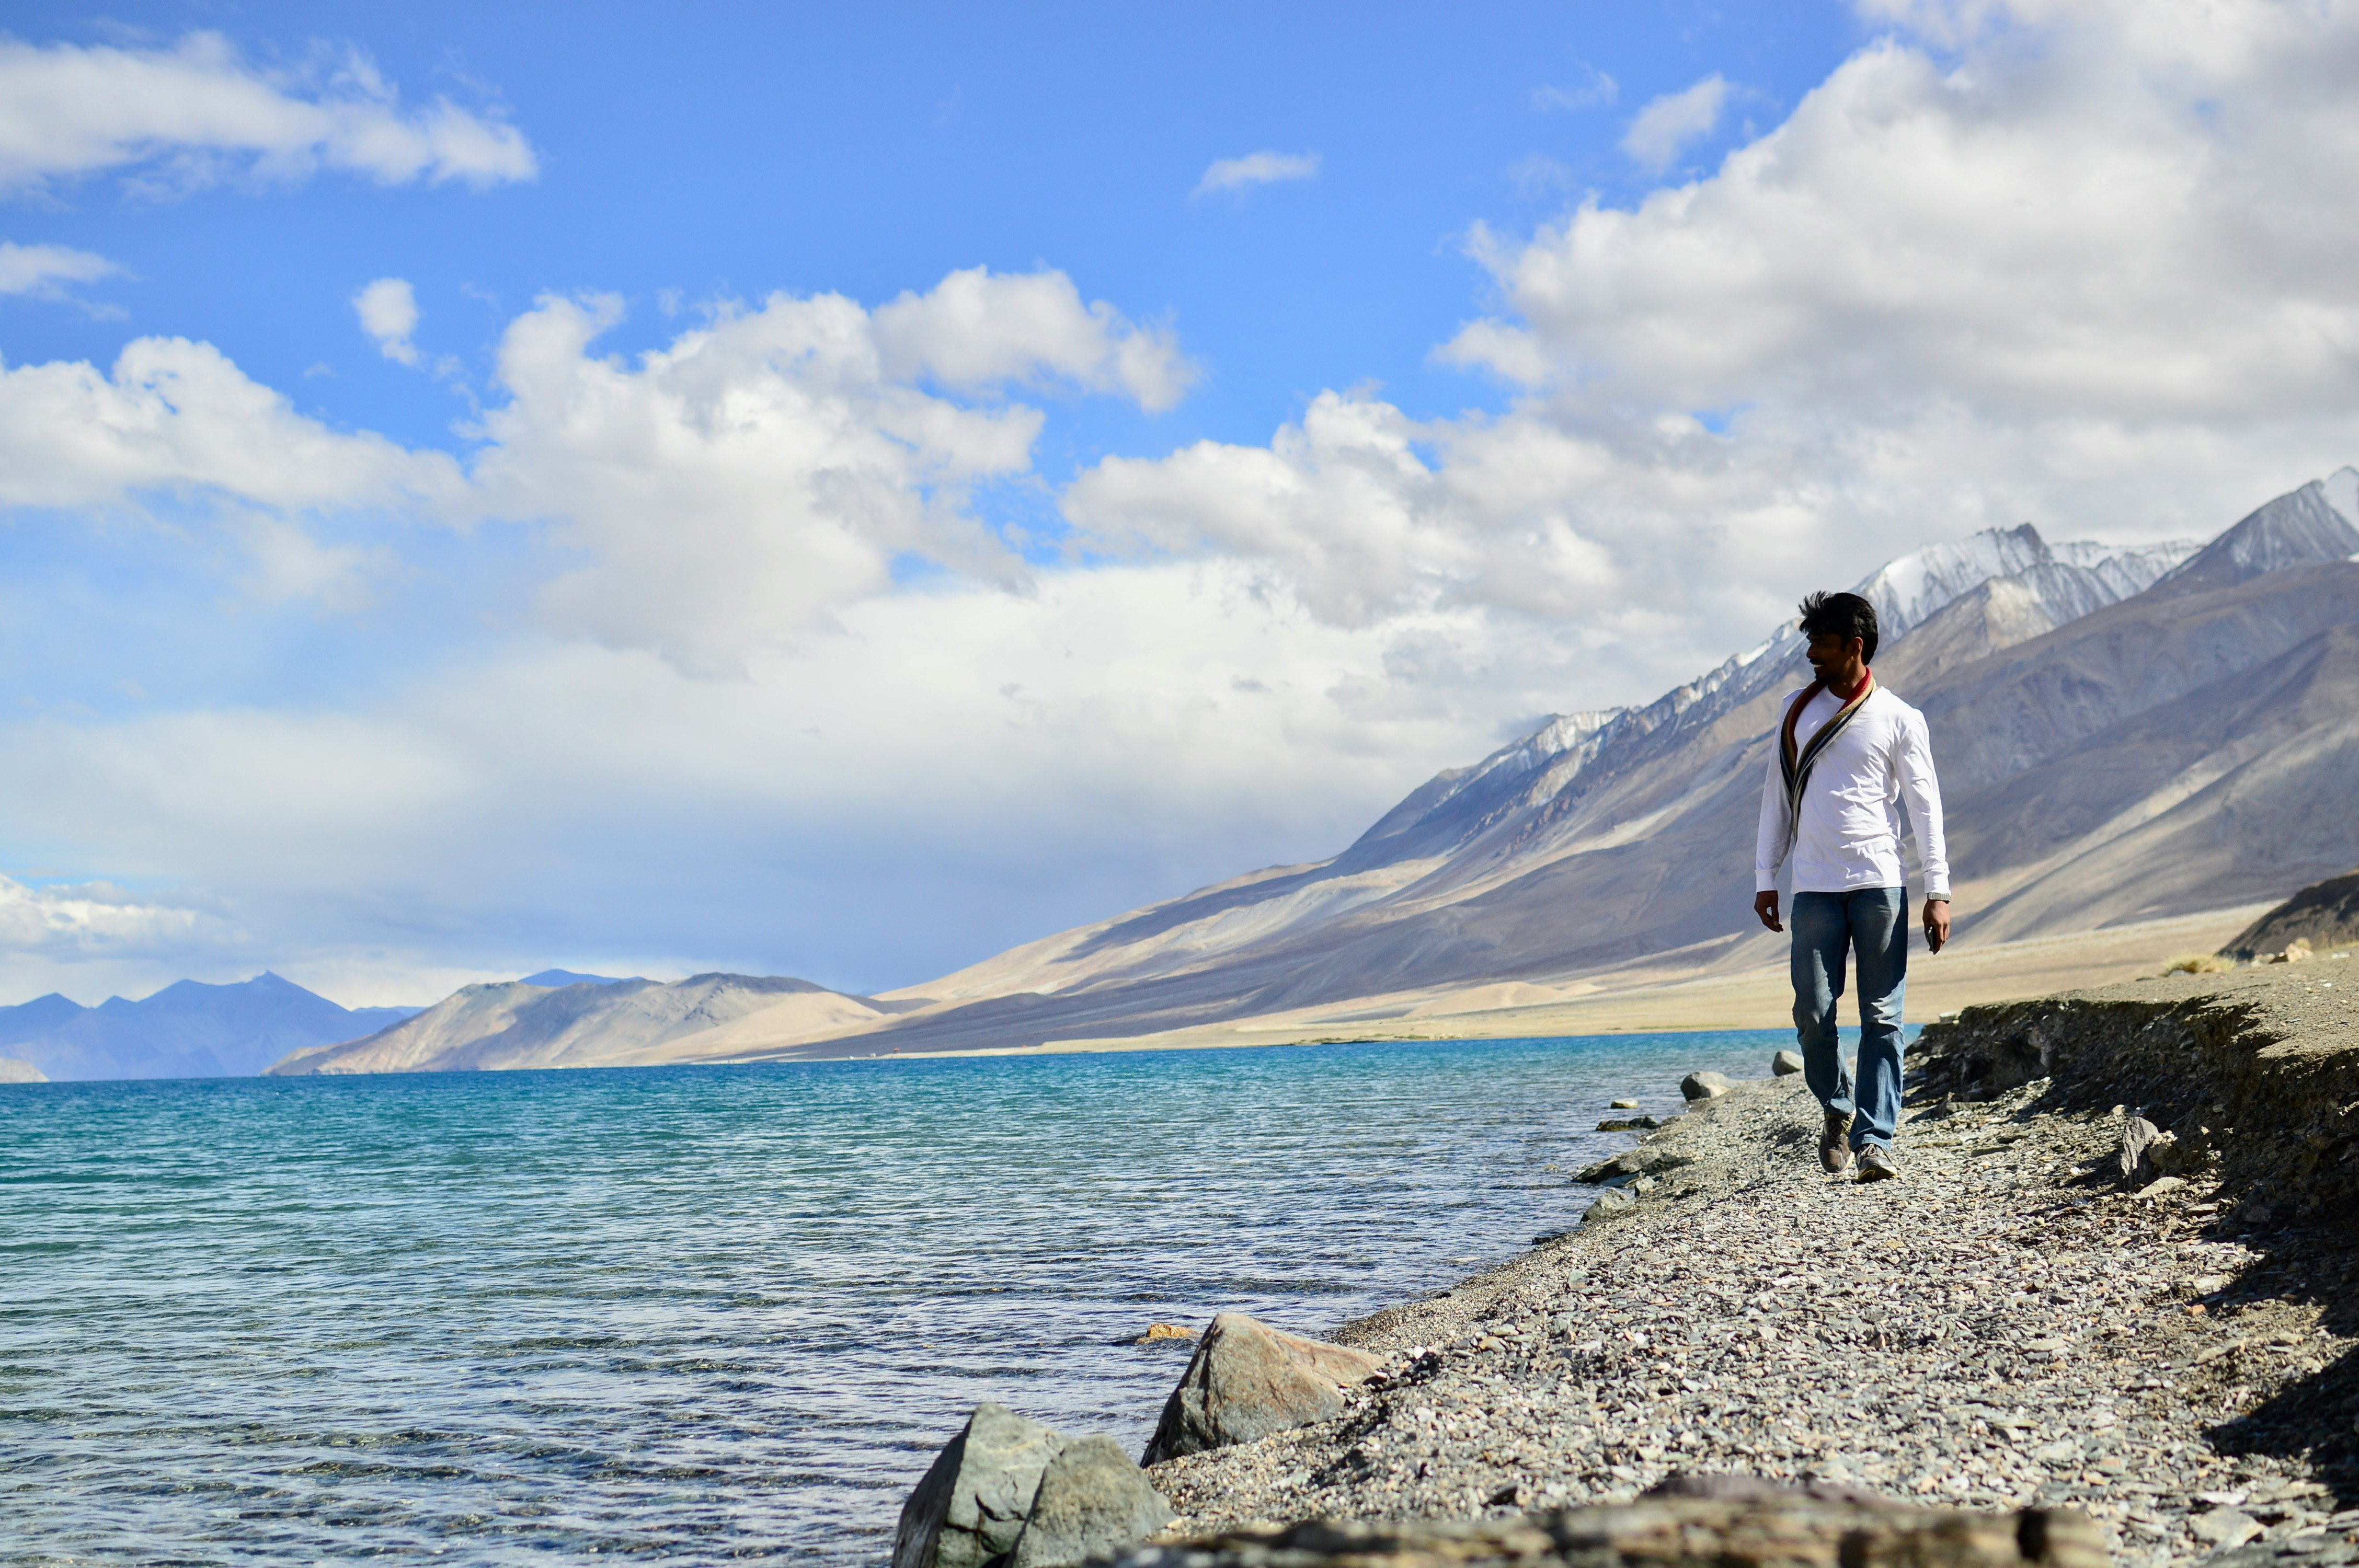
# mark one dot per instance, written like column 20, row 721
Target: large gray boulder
column 973, row 1503
column 1093, row 1501
column 1248, row 1381
column 1010, row 1490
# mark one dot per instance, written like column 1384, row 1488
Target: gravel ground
column 2006, row 1325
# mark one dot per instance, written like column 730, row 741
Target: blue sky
column 841, row 494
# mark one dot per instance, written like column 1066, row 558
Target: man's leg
column 1821, row 938
column 1879, row 934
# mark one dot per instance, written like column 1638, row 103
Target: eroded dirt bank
column 2012, row 1323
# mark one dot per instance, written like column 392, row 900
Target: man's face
column 1832, row 658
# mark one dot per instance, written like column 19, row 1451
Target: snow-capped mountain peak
column 1912, row 587
column 2341, row 488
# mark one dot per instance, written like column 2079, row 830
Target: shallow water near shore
column 706, row 1314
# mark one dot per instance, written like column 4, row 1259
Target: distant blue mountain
column 188, row 1030
column 565, row 978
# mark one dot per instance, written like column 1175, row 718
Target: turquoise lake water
column 706, row 1314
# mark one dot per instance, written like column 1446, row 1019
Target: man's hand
column 1936, row 923
column 1765, row 904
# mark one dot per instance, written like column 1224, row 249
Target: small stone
column 1160, row 1331
column 2137, row 1134
column 1628, row 1124
column 1633, row 1163
column 1612, row 1201
column 1785, row 1064
column 1621, row 1105
column 2226, row 1529
column 2155, row 1189
column 1705, row 1085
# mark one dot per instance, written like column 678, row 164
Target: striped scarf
column 1798, row 765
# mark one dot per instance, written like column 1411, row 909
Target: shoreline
column 1694, row 1000
column 2009, row 1325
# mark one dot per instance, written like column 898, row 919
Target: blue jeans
column 1873, row 924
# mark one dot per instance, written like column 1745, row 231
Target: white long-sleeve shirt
column 1849, row 836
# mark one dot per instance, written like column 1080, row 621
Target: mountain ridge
column 188, row 1030
column 585, row 1022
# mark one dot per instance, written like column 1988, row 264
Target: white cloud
column 1664, row 128
column 197, row 111
column 179, row 416
column 734, row 490
column 1256, row 169
column 1370, row 521
column 727, row 492
column 92, row 921
column 40, row 269
column 975, row 329
column 388, row 313
column 2090, row 229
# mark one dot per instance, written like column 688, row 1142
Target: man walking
column 1848, row 753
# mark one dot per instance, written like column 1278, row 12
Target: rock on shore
column 1008, row 1492
column 1092, row 1497
column 2010, row 1325
column 1248, row 1381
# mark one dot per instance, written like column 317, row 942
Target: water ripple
column 703, row 1315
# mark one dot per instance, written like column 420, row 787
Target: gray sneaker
column 1834, row 1145
column 1876, row 1164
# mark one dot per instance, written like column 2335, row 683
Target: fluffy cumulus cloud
column 726, row 493
column 975, row 330
column 2117, row 219
column 388, row 313
column 171, row 415
column 197, row 111
column 732, row 491
column 1349, row 515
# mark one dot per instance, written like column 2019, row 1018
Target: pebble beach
column 2014, row 1322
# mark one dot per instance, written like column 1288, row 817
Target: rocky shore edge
column 2107, row 1313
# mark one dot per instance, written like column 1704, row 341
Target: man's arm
column 1769, row 842
column 1922, row 793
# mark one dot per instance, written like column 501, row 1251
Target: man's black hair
column 1846, row 615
